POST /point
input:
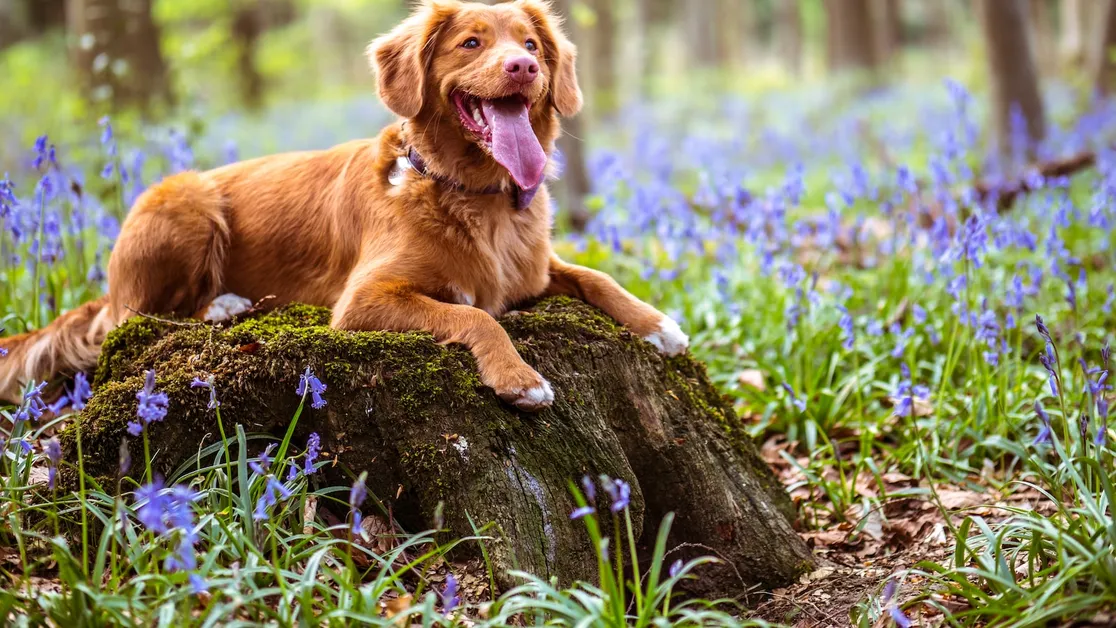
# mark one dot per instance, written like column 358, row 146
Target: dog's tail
column 71, row 343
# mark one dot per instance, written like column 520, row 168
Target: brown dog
column 439, row 224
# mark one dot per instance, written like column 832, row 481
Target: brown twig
column 1006, row 193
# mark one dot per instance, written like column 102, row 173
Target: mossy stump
column 414, row 415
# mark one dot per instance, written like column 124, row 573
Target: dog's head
column 499, row 72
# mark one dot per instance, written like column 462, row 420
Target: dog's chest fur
column 496, row 256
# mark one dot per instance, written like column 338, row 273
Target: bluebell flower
column 152, row 405
column 449, row 595
column 1046, row 430
column 795, row 400
column 207, row 383
column 845, row 323
column 197, row 584
column 153, row 504
column 53, row 450
column 675, row 568
column 308, row 382
column 313, row 449
column 262, row 463
column 583, row 511
column 918, row 314
column 274, row 492
column 125, row 458
column 357, row 494
column 906, row 393
column 33, row 406
column 81, row 392
column 618, row 491
column 887, row 600
column 874, row 328
column 901, row 339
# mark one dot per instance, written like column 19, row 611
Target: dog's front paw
column 668, row 338
column 225, row 307
column 526, row 390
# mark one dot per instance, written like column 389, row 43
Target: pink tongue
column 514, row 145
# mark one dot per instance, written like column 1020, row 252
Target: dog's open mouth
column 504, row 125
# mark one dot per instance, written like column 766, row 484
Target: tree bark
column 247, row 26
column 850, row 33
column 888, row 29
column 1042, row 34
column 414, row 415
column 116, row 51
column 788, row 34
column 1012, row 70
column 702, row 32
column 1076, row 27
column 1103, row 69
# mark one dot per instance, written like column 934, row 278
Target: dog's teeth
column 477, row 117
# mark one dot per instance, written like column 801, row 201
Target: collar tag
column 399, row 171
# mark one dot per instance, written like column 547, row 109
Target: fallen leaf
column 752, row 378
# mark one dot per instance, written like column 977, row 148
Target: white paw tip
column 668, row 338
column 539, row 395
column 225, row 307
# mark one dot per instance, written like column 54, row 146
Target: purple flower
column 589, row 489
column 1042, row 329
column 197, row 584
column 313, row 448
column 1046, row 430
column 152, row 405
column 619, row 491
column 274, row 492
column 906, row 393
column 33, row 405
column 53, row 450
column 357, row 494
column 450, row 598
column 153, row 503
column 676, row 568
column 887, row 600
column 584, row 511
column 81, row 392
column 125, row 457
column 208, row 384
column 846, row 325
column 260, row 465
column 308, row 382
column 795, row 400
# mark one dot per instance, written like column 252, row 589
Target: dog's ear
column 559, row 54
column 402, row 57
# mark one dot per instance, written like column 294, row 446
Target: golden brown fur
column 328, row 228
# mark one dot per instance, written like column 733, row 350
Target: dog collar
column 521, row 198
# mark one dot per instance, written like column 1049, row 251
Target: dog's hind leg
column 171, row 252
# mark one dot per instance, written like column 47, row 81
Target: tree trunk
column 1042, row 34
column 1103, row 69
column 116, row 51
column 702, row 32
column 414, row 415
column 575, row 173
column 888, row 30
column 600, row 41
column 788, row 34
column 1012, row 70
column 850, row 33
column 1077, row 26
column 247, row 26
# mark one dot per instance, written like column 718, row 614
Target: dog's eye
column 531, row 46
column 471, row 43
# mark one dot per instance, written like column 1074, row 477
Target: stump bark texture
column 414, row 415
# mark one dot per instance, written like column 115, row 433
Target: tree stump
column 414, row 415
